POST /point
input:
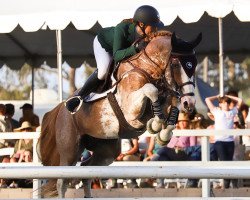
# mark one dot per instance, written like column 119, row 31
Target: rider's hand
column 140, row 45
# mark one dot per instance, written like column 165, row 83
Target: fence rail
column 186, row 171
column 204, row 169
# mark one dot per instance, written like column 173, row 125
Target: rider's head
column 147, row 18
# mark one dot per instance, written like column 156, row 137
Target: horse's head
column 176, row 59
column 182, row 66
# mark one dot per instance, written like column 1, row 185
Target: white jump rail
column 157, row 198
column 203, row 133
column 176, row 171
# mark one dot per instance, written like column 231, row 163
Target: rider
column 117, row 43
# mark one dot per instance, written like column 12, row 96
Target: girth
column 126, row 131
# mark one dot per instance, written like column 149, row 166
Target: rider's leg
column 103, row 59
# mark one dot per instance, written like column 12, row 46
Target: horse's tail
column 48, row 152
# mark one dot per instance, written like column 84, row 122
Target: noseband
column 175, row 62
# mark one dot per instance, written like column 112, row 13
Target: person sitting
column 116, row 43
column 24, row 147
column 28, row 115
column 144, row 141
column 153, row 147
column 10, row 111
column 5, row 125
column 129, row 152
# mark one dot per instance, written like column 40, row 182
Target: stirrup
column 76, row 108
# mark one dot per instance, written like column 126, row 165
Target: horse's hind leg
column 104, row 153
column 87, row 188
column 61, row 187
column 68, row 147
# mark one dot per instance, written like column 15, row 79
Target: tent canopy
column 28, row 27
column 57, row 14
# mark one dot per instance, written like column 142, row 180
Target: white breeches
column 102, row 57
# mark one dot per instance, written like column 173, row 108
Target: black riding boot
column 90, row 85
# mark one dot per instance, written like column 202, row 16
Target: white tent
column 33, row 15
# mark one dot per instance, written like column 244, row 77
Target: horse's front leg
column 136, row 102
column 156, row 124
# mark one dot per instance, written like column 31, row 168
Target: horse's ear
column 196, row 41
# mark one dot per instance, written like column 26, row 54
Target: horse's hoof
column 157, row 124
column 154, row 125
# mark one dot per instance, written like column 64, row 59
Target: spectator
column 5, row 126
column 28, row 115
column 181, row 148
column 23, row 147
column 213, row 154
column 152, row 148
column 10, row 111
column 5, row 183
column 224, row 119
column 144, row 141
column 129, row 152
column 242, row 110
column 239, row 150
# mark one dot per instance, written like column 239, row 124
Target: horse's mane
column 158, row 33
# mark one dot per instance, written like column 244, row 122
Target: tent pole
column 205, row 69
column 221, row 69
column 59, row 63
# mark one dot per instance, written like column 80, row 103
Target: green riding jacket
column 118, row 40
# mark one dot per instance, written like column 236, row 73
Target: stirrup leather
column 76, row 108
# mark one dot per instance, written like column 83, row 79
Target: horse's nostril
column 185, row 104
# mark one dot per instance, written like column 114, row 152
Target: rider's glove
column 140, row 45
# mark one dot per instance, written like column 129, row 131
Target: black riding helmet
column 148, row 15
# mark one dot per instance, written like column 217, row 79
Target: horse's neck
column 153, row 60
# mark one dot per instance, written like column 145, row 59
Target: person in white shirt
column 223, row 120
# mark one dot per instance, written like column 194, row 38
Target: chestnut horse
column 156, row 72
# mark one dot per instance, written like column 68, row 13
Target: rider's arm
column 121, row 49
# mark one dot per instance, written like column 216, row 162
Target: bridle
column 175, row 62
column 162, row 82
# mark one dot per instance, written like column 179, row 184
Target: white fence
column 204, row 169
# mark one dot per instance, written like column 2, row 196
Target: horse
column 155, row 73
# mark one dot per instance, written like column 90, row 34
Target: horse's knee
column 150, row 91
